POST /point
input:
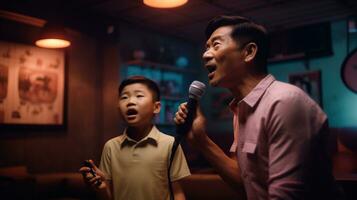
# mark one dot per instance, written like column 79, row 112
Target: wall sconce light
column 164, row 3
column 53, row 36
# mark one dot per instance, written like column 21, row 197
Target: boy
column 134, row 165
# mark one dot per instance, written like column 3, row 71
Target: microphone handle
column 184, row 128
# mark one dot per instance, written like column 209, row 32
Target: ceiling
column 187, row 21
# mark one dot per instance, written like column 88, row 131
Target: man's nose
column 207, row 55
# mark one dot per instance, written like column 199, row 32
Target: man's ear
column 157, row 107
column 250, row 52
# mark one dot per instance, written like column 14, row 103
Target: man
column 279, row 132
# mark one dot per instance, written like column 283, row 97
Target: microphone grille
column 197, row 89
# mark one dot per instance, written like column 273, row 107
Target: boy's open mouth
column 131, row 112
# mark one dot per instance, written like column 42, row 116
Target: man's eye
column 216, row 44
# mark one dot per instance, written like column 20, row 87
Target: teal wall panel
column 339, row 102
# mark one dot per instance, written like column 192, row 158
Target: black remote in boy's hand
column 87, row 163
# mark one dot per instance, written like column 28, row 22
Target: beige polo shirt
column 138, row 169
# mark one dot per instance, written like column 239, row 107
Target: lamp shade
column 53, row 36
column 164, row 3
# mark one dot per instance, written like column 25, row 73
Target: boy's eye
column 123, row 97
column 140, row 96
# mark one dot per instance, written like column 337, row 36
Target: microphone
column 195, row 93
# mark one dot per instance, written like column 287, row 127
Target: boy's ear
column 250, row 51
column 157, row 107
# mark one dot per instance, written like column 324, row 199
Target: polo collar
column 253, row 97
column 153, row 135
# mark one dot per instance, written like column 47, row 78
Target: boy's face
column 223, row 58
column 137, row 105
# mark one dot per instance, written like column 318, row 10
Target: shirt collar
column 153, row 135
column 253, row 96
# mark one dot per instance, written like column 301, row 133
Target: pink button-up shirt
column 279, row 138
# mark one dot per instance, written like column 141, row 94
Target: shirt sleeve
column 179, row 168
column 105, row 162
column 293, row 123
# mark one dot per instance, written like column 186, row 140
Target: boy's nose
column 131, row 101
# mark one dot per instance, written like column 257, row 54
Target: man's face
column 136, row 105
column 223, row 59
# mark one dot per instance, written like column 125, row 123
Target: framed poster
column 31, row 85
column 310, row 82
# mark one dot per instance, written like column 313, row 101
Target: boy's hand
column 96, row 182
column 198, row 130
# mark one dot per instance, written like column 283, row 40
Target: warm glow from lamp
column 53, row 43
column 164, row 3
column 53, row 35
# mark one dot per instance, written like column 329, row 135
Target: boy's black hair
column 244, row 31
column 142, row 80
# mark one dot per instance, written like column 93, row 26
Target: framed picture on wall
column 310, row 82
column 32, row 84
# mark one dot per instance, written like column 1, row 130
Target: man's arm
column 227, row 167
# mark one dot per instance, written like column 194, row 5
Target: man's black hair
column 153, row 87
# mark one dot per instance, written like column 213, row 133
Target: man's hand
column 227, row 168
column 197, row 133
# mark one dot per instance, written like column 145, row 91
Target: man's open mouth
column 211, row 68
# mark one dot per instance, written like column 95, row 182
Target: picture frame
column 309, row 82
column 32, row 86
